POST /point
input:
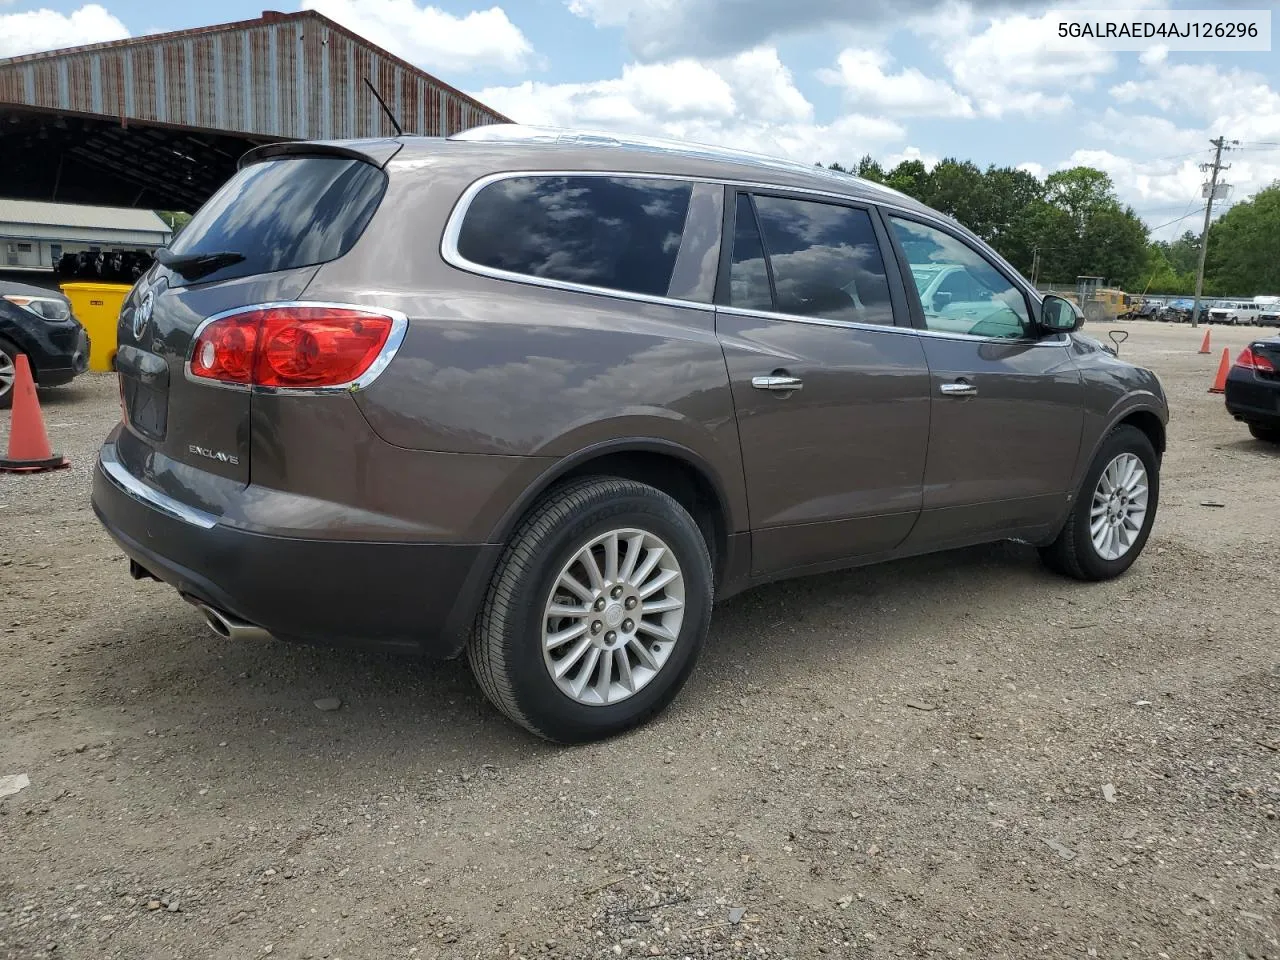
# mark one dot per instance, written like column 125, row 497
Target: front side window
column 619, row 233
column 960, row 291
column 824, row 260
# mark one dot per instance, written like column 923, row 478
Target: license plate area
column 144, row 391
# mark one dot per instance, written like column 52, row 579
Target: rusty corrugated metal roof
column 290, row 76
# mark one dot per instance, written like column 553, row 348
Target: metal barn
column 159, row 121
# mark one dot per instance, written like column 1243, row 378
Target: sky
column 814, row 80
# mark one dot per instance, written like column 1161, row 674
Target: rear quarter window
column 618, row 233
column 285, row 213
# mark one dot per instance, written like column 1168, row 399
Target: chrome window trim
column 399, row 327
column 1060, row 340
column 132, row 487
column 453, row 227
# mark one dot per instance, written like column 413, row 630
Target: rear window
column 620, row 233
column 286, row 213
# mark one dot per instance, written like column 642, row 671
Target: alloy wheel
column 613, row 617
column 1119, row 507
column 8, row 373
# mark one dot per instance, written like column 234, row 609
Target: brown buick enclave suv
column 542, row 396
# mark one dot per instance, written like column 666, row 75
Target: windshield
column 284, row 213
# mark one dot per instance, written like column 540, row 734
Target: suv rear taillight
column 295, row 346
column 1249, row 360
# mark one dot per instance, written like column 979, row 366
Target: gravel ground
column 955, row 755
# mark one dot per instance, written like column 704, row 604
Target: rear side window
column 285, row 213
column 823, row 261
column 619, row 233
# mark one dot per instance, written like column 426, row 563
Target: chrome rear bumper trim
column 131, row 486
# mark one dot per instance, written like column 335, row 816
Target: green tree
column 869, row 169
column 910, row 177
column 1184, row 253
column 1080, row 191
column 1244, row 247
column 959, row 189
column 176, row 219
column 1011, row 195
column 1113, row 244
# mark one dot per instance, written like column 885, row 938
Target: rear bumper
column 417, row 597
column 1251, row 399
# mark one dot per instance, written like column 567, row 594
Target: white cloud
column 1153, row 56
column 664, row 29
column 861, row 74
column 929, row 160
column 431, row 37
column 764, row 86
column 1012, row 64
column 33, row 31
column 1240, row 103
column 1033, row 168
column 1201, row 101
column 748, row 101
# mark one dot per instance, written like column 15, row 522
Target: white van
column 1235, row 312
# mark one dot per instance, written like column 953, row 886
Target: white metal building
column 34, row 235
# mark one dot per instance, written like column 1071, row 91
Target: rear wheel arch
column 672, row 468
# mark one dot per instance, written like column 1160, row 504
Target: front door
column 829, row 383
column 1008, row 406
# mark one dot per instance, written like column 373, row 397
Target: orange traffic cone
column 28, row 443
column 1204, row 347
column 1220, row 381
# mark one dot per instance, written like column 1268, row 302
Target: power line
column 1190, row 210
column 1176, row 156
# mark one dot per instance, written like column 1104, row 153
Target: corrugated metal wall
column 295, row 77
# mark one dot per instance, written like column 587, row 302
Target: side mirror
column 1058, row 315
column 941, row 300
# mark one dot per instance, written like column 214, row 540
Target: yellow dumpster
column 97, row 306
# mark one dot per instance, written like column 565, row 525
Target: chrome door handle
column 782, row 384
column 960, row 389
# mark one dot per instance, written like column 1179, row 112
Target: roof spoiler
column 375, row 151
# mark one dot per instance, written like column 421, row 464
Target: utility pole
column 1216, row 167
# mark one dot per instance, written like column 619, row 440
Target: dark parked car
column 39, row 323
column 1252, row 392
column 543, row 397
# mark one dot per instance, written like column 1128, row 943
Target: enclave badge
column 213, row 454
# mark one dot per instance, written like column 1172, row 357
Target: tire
column 8, row 358
column 1074, row 553
column 506, row 647
column 1267, row 434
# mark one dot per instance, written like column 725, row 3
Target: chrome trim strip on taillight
column 132, row 487
column 399, row 327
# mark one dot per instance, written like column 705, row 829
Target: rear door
column 260, row 239
column 1007, row 403
column 829, row 383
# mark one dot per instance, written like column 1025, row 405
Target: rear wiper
column 196, row 265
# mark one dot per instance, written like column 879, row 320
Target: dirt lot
column 907, row 760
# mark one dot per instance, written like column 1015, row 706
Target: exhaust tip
column 215, row 621
column 228, row 627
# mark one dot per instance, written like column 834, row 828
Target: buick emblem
column 142, row 315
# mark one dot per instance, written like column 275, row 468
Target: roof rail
column 528, row 133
